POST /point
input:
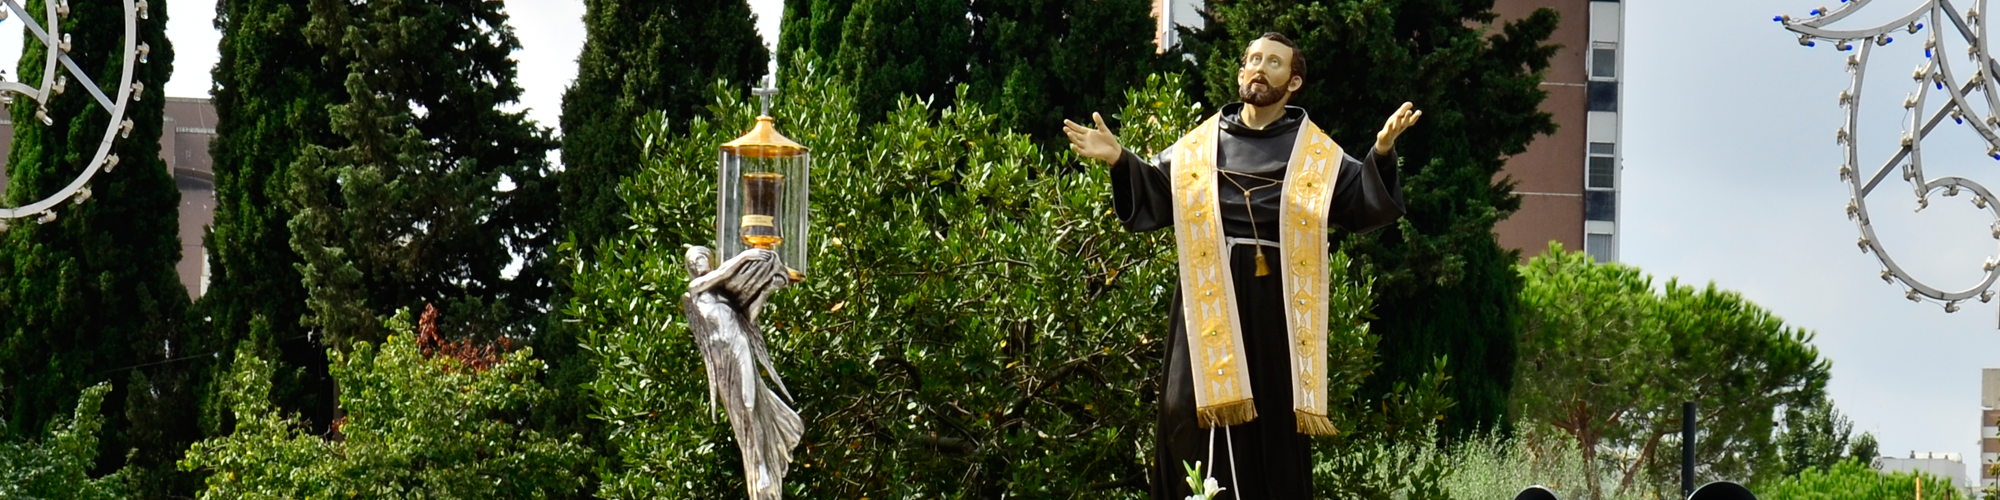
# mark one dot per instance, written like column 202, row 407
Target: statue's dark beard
column 1270, row 95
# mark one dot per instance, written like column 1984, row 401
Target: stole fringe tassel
column 1315, row 425
column 1224, row 415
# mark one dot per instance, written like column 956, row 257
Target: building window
column 1603, row 96
column 1601, row 247
column 1603, row 166
column 1604, row 62
column 1600, row 205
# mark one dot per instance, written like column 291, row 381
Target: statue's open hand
column 1095, row 143
column 1402, row 120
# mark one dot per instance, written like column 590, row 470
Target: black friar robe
column 1271, row 458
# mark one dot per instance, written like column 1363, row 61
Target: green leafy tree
column 270, row 104
column 1584, row 321
column 642, row 56
column 1853, row 481
column 1445, row 286
column 413, row 202
column 420, row 423
column 59, row 465
column 1814, row 438
column 93, row 296
column 1864, row 450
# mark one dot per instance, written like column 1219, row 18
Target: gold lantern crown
column 764, row 141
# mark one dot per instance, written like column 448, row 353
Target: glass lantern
column 762, row 196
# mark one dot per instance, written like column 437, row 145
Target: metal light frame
column 47, row 29
column 1936, row 73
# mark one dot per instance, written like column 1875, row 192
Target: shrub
column 416, row 426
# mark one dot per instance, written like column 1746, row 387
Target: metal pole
column 1687, row 449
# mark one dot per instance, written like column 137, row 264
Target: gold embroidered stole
column 1215, row 333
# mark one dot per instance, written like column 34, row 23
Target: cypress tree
column 93, row 296
column 270, row 103
column 1447, row 289
column 640, row 57
column 412, row 205
column 1032, row 62
column 811, row 26
column 1036, row 62
column 886, row 48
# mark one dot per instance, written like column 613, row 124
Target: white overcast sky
column 1729, row 178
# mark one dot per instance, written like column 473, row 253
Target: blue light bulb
column 1815, row 12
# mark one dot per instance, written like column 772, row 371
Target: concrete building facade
column 1569, row 182
column 188, row 126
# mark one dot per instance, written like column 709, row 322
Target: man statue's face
column 1266, row 76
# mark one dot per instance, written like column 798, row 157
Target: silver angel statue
column 721, row 306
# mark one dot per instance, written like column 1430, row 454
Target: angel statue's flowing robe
column 1261, row 359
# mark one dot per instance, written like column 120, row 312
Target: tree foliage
column 1446, row 287
column 1855, row 481
column 1032, row 63
column 1815, row 438
column 1864, row 449
column 1036, row 62
column 93, row 296
column 417, row 425
column 1586, row 323
column 411, row 204
column 642, row 56
column 270, row 104
column 59, row 465
column 896, row 48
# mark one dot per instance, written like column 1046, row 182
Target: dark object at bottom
column 1536, row 493
column 1722, row 490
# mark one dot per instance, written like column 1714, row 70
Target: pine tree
column 270, row 104
column 411, row 205
column 640, row 57
column 1447, row 289
column 93, row 296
